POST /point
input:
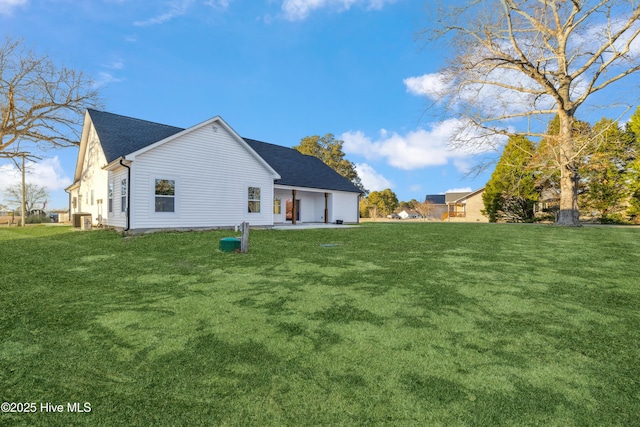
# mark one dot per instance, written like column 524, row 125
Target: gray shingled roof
column 453, row 197
column 297, row 169
column 121, row 135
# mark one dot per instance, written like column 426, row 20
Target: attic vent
column 215, row 128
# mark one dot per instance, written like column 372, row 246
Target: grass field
column 383, row 324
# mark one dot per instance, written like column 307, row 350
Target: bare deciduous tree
column 515, row 60
column 41, row 104
column 425, row 209
column 34, row 196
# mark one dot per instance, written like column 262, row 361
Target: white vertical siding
column 341, row 205
column 117, row 218
column 344, row 206
column 283, row 195
column 212, row 173
column 93, row 181
column 314, row 207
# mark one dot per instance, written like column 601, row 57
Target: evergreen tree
column 605, row 173
column 511, row 193
column 633, row 168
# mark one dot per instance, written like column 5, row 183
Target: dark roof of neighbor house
column 121, row 135
column 436, row 199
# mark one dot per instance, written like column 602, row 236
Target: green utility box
column 229, row 244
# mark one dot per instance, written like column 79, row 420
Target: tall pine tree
column 510, row 194
column 605, row 171
column 633, row 168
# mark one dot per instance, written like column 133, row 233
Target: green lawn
column 383, row 324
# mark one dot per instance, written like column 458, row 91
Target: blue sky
column 275, row 70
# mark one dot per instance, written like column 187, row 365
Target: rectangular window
column 91, row 197
column 110, row 202
column 165, row 191
column 277, row 206
column 123, row 195
column 254, row 199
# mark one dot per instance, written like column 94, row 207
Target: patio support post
column 326, row 208
column 294, row 205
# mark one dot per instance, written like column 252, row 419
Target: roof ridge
column 133, row 118
column 269, row 143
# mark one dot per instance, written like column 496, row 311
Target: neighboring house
column 139, row 175
column 459, row 206
column 548, row 203
column 438, row 206
column 465, row 207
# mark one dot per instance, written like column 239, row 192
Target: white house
column 138, row 175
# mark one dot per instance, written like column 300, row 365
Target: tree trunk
column 23, row 203
column 569, row 214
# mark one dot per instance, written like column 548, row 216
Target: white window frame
column 254, row 200
column 154, row 195
column 124, row 187
column 110, row 197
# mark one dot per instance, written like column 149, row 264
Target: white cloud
column 298, row 10
column 222, row 4
column 47, row 173
column 416, row 188
column 7, row 6
column 372, row 180
column 104, row 78
column 463, row 165
column 176, row 8
column 414, row 150
column 430, row 85
column 460, row 190
column 488, row 97
column 115, row 64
